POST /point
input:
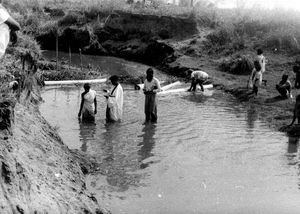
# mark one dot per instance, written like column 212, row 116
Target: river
column 208, row 153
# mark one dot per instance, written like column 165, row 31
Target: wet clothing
column 4, row 30
column 284, row 88
column 88, row 109
column 150, row 90
column 114, row 110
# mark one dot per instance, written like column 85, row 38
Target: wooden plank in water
column 178, row 90
column 70, row 82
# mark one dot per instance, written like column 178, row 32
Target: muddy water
column 207, row 154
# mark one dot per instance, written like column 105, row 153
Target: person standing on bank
column 151, row 88
column 114, row 109
column 8, row 28
column 262, row 61
column 197, row 77
column 88, row 106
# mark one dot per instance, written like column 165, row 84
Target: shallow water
column 207, row 154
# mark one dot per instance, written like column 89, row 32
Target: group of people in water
column 114, row 97
column 114, row 100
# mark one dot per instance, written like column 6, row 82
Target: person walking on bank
column 151, row 87
column 255, row 77
column 114, row 110
column 88, row 106
column 197, row 77
column 284, row 87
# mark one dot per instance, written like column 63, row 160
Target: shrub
column 239, row 64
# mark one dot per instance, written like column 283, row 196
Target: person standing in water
column 151, row 88
column 197, row 77
column 88, row 106
column 296, row 111
column 114, row 100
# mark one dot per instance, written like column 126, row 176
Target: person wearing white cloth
column 198, row 77
column 88, row 106
column 8, row 27
column 114, row 98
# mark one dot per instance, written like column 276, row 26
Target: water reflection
column 293, row 145
column 252, row 116
column 147, row 144
column 87, row 132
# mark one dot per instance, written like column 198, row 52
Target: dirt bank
column 39, row 174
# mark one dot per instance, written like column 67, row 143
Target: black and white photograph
column 149, row 106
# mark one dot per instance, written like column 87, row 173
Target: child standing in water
column 88, row 106
column 256, row 77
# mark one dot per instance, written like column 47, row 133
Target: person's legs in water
column 147, row 107
column 154, row 112
column 194, row 84
column 200, row 82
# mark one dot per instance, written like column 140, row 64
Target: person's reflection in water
column 147, row 144
column 109, row 138
column 252, row 116
column 293, row 145
column 87, row 130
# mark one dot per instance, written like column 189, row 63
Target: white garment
column 153, row 85
column 255, row 75
column 262, row 61
column 200, row 75
column 88, row 104
column 115, row 103
column 4, row 31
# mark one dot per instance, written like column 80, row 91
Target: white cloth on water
column 262, row 61
column 153, row 85
column 4, row 30
column 88, row 104
column 115, row 103
column 200, row 75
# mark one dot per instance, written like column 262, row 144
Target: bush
column 219, row 37
column 241, row 65
column 71, row 18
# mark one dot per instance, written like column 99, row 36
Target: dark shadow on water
column 293, row 145
column 275, row 99
column 196, row 97
column 251, row 117
column 147, row 143
column 87, row 130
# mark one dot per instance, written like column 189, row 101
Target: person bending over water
column 114, row 100
column 284, row 87
column 151, row 87
column 197, row 77
column 88, row 106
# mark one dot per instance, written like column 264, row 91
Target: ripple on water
column 211, row 153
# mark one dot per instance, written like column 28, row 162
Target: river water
column 208, row 153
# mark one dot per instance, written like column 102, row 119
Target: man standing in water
column 114, row 100
column 197, row 77
column 88, row 106
column 151, row 87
